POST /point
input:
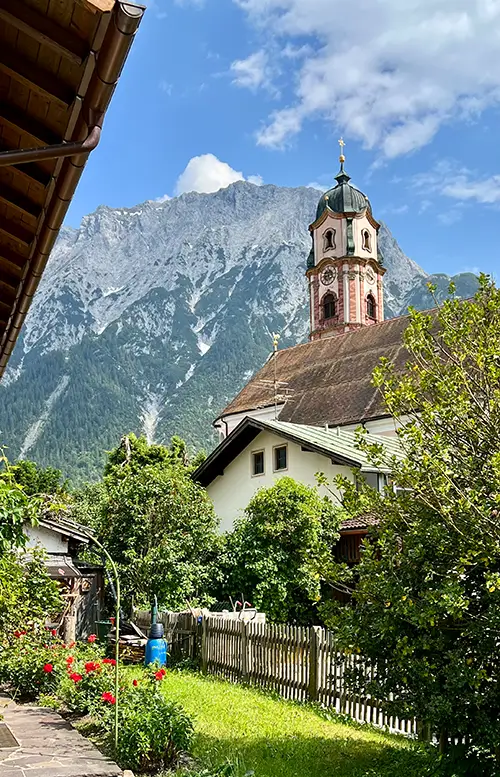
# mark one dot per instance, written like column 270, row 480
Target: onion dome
column 344, row 197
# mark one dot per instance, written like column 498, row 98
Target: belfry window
column 367, row 240
column 329, row 239
column 370, row 306
column 329, row 306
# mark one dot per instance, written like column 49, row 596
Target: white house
column 258, row 453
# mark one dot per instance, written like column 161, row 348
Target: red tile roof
column 328, row 380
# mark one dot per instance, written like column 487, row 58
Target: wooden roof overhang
column 60, row 61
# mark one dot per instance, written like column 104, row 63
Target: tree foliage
column 155, row 521
column 273, row 551
column 427, row 591
column 37, row 480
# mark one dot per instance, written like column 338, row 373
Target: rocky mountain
column 149, row 319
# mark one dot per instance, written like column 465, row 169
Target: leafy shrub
column 35, row 662
column 153, row 730
column 27, row 593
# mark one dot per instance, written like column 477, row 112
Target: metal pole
column 117, row 626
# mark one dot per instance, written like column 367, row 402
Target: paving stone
column 49, row 746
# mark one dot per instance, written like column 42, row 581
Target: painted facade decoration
column 344, row 268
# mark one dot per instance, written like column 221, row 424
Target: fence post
column 245, row 668
column 204, row 645
column 314, row 643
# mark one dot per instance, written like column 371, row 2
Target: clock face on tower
column 328, row 276
column 370, row 275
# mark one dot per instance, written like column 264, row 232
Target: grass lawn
column 271, row 737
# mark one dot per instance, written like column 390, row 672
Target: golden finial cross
column 342, row 144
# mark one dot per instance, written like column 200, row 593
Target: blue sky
column 216, row 90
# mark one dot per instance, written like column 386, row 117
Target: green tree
column 16, row 509
column 157, row 524
column 427, row 591
column 37, row 480
column 272, row 554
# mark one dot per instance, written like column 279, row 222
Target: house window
column 329, row 239
column 258, row 463
column 370, row 306
column 329, row 306
column 367, row 240
column 280, row 458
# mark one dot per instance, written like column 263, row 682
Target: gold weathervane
column 341, row 144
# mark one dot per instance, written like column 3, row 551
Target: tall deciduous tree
column 156, row 522
column 427, row 593
column 272, row 553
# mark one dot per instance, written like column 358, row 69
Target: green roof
column 343, row 198
column 337, row 442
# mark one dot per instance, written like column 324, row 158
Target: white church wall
column 232, row 491
column 359, row 225
column 385, row 427
column 261, row 414
column 340, row 248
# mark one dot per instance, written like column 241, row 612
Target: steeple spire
column 342, row 176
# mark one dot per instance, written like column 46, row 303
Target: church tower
column 344, row 267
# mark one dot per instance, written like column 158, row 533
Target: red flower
column 163, row 671
column 48, row 668
column 92, row 638
column 108, row 696
column 75, row 677
column 135, row 683
column 109, row 661
column 18, row 634
column 71, row 645
column 69, row 660
column 160, row 674
column 53, row 632
column 91, row 666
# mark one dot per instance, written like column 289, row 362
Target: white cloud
column 206, row 174
column 316, row 185
column 163, row 198
column 395, row 210
column 386, row 72
column 252, row 72
column 459, row 183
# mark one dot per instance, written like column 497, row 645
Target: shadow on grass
column 311, row 756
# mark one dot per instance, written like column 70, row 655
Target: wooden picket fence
column 298, row 663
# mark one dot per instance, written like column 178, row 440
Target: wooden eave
column 59, row 64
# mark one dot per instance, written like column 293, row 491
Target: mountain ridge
column 149, row 319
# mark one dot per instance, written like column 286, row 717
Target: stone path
column 48, row 746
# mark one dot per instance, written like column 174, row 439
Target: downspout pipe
column 59, row 150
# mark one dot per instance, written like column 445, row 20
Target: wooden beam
column 19, row 201
column 44, row 30
column 31, row 75
column 11, row 263
column 98, row 5
column 14, row 230
column 7, row 291
column 30, row 170
column 21, row 122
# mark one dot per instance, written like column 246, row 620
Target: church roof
column 328, row 380
column 338, row 445
column 343, row 198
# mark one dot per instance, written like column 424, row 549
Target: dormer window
column 367, row 240
column 329, row 306
column 329, row 239
column 371, row 306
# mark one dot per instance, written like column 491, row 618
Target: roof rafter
column 44, row 30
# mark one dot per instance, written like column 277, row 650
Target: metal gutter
column 21, row 156
column 118, row 39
